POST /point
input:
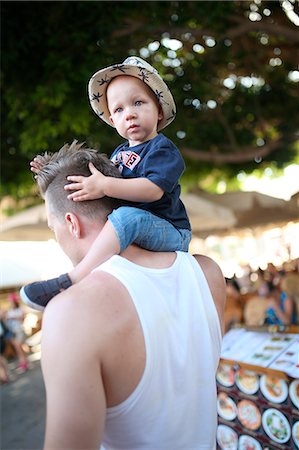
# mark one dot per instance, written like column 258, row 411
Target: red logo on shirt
column 132, row 160
column 126, row 158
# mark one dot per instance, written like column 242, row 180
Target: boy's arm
column 98, row 185
column 133, row 189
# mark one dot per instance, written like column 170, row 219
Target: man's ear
column 73, row 224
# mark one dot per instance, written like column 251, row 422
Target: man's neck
column 146, row 258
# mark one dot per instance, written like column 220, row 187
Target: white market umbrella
column 28, row 225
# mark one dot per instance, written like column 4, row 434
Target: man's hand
column 86, row 188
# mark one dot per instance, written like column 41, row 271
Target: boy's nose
column 130, row 114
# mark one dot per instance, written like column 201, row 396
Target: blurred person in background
column 271, row 274
column 14, row 319
column 261, row 285
column 4, row 377
column 280, row 306
column 232, row 287
column 290, row 284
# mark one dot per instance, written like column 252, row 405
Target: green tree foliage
column 231, row 66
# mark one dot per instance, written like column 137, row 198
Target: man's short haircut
column 73, row 159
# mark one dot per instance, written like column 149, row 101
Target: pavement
column 23, row 407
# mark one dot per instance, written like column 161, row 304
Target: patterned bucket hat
column 137, row 68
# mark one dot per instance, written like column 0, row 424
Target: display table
column 258, row 390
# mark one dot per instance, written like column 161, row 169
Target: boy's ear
column 111, row 120
column 160, row 113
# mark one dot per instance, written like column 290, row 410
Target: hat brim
column 99, row 82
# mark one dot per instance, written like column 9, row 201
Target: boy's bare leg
column 105, row 246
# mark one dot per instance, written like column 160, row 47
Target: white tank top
column 174, row 405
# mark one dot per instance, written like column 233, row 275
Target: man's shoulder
column 95, row 290
column 216, row 282
column 208, row 264
column 90, row 315
column 91, row 301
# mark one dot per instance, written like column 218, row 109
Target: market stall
column 258, row 390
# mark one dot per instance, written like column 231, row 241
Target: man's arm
column 216, row 284
column 76, row 404
column 93, row 357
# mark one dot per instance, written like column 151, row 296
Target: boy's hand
column 37, row 164
column 86, row 188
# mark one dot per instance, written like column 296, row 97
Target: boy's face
column 134, row 110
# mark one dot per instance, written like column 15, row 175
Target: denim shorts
column 147, row 230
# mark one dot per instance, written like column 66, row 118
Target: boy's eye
column 138, row 103
column 118, row 110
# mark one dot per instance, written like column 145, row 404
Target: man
column 129, row 354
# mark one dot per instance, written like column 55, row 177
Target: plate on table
column 295, row 433
column 226, row 407
column 294, row 392
column 248, row 443
column 274, row 389
column 225, row 375
column 247, row 381
column 227, row 438
column 276, row 425
column 249, row 415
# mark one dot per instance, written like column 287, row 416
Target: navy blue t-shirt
column 160, row 161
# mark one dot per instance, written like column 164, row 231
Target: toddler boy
column 133, row 98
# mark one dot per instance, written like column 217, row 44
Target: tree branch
column 246, row 25
column 227, row 129
column 129, row 28
column 245, row 154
